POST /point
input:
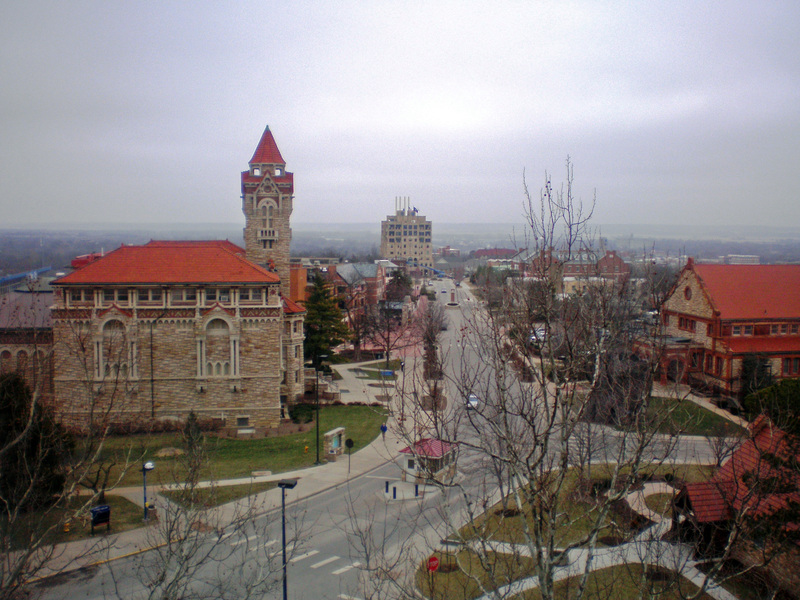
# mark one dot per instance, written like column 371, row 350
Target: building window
column 748, row 330
column 116, row 357
column 737, row 330
column 243, row 421
column 185, row 296
column 791, row 366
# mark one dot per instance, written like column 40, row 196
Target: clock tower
column 267, row 195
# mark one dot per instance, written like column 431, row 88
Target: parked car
column 472, row 402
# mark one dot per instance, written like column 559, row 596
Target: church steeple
column 267, row 196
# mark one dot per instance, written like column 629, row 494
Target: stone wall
column 174, row 383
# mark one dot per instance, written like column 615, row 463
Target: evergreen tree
column 33, row 448
column 325, row 327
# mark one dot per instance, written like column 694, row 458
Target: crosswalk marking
column 252, row 537
column 322, row 563
column 346, row 569
column 303, row 556
column 346, row 597
column 269, row 543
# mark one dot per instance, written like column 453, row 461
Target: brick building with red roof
column 159, row 330
column 717, row 315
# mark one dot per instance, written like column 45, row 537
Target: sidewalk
column 310, row 482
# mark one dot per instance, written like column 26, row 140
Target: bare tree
column 39, row 450
column 560, row 432
column 201, row 550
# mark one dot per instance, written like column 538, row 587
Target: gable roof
column 267, row 150
column 751, row 291
column 292, row 307
column 429, row 448
column 731, row 488
column 172, row 262
column 352, row 273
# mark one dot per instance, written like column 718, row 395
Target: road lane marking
column 346, row 569
column 252, row 537
column 303, row 556
column 322, row 563
column 289, row 548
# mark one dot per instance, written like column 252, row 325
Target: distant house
column 357, row 285
column 576, row 272
column 495, row 253
column 717, row 315
column 26, row 336
column 754, row 495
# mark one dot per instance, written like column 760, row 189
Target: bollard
column 416, row 490
column 394, row 493
column 387, row 487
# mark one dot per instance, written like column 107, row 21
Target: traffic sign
column 433, row 564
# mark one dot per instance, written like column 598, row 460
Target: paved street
column 342, row 524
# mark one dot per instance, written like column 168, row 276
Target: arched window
column 115, row 354
column 6, row 361
column 22, row 361
column 217, row 327
column 218, row 353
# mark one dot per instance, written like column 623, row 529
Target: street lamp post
column 320, row 358
column 285, row 484
column 148, row 466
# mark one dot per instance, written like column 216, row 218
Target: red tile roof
column 267, row 150
column 752, row 291
column 291, row 307
column 731, row 489
column 172, row 262
column 429, row 448
column 768, row 345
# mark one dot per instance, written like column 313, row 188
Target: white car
column 472, row 402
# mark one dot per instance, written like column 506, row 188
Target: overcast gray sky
column 675, row 112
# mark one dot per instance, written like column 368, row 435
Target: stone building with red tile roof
column 159, row 330
column 717, row 315
column 156, row 331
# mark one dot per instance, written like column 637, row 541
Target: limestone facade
column 131, row 351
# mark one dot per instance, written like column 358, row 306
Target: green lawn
column 621, row 583
column 230, row 458
column 685, row 417
column 577, row 513
column 124, row 516
column 221, row 494
column 374, row 370
column 660, row 503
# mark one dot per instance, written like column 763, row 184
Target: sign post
column 433, row 564
column 349, row 444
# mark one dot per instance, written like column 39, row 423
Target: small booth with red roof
column 429, row 459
